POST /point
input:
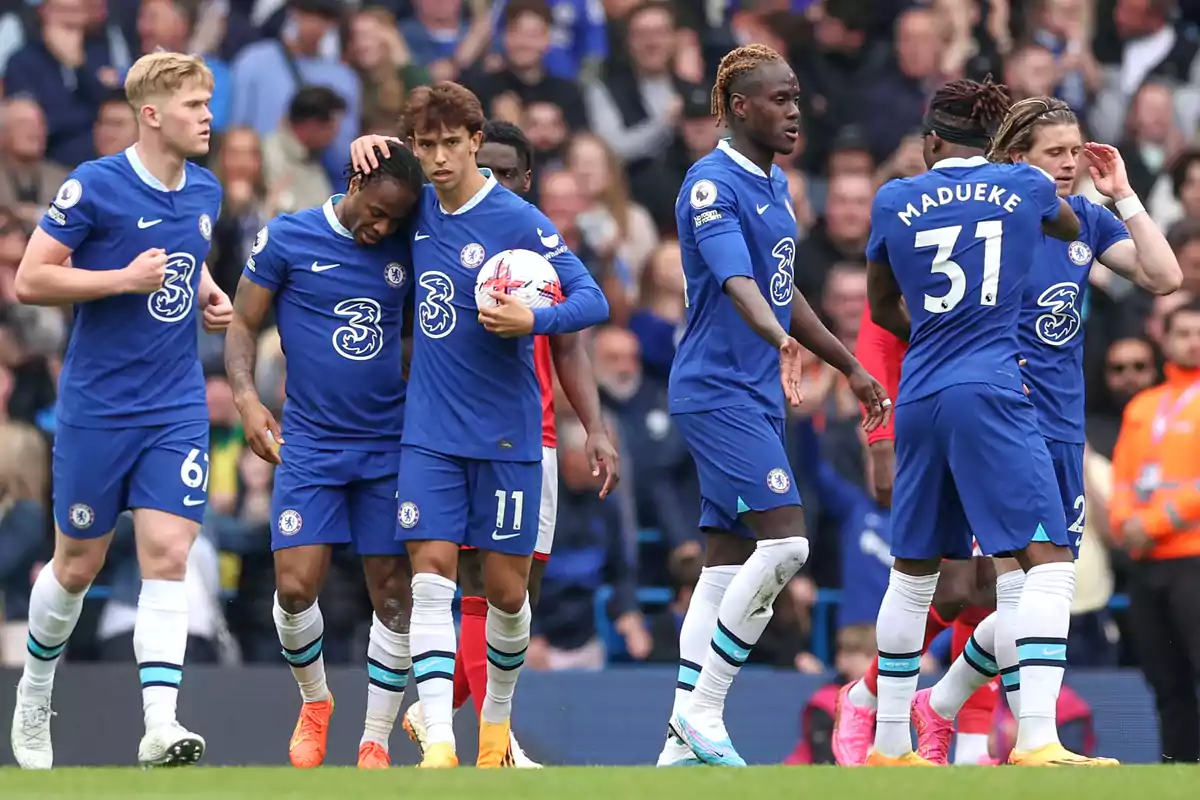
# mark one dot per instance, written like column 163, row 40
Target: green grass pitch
column 610, row 783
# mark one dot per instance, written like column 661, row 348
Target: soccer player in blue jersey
column 338, row 277
column 735, row 367
column 125, row 241
column 950, row 248
column 507, row 153
column 1044, row 132
column 471, row 466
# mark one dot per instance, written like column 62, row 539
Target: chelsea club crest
column 1079, row 253
column 472, row 256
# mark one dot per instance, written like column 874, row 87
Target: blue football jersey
column 960, row 240
column 339, row 308
column 132, row 358
column 471, row 393
column 1052, row 319
column 720, row 361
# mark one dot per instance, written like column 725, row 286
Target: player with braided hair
column 962, row 412
column 336, row 479
column 736, row 367
column 1044, row 132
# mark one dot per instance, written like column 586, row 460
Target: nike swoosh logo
column 1053, row 652
column 188, row 501
column 418, row 237
column 761, row 209
column 316, row 267
column 497, row 537
column 143, row 223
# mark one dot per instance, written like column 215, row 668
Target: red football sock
column 473, row 647
column 960, row 633
column 934, row 625
column 978, row 713
column 973, row 615
column 462, row 687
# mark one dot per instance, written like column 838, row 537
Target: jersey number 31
column 944, row 239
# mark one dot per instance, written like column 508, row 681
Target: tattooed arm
column 250, row 307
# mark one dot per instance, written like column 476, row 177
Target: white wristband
column 1130, row 206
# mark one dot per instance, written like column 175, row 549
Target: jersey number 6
column 192, row 474
column 944, row 239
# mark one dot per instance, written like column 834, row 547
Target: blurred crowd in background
column 614, row 96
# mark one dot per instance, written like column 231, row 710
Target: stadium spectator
column 855, row 651
column 522, row 76
column 1129, row 367
column 664, row 481
column 894, row 101
column 578, row 37
column 593, row 544
column 167, row 25
column 850, row 153
column 1154, row 517
column 684, row 567
column 698, row 128
column 844, row 298
column 67, row 75
column 29, row 181
column 1180, row 199
column 1029, row 72
column 115, row 128
column 839, row 235
column 833, row 60
column 1185, row 241
column 268, row 73
column 659, row 317
column 384, row 65
column 24, row 525
column 291, row 156
column 247, row 206
column 613, row 225
column 637, row 109
column 1145, row 41
column 1152, row 137
column 433, row 35
column 547, row 131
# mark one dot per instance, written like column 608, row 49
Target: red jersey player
column 509, row 155
column 882, row 354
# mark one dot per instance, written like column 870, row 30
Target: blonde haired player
column 132, row 419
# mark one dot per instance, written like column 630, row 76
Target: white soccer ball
column 523, row 274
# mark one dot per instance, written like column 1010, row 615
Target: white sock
column 388, row 662
column 900, row 632
column 971, row 670
column 971, row 748
column 302, row 636
column 507, row 641
column 744, row 613
column 1008, row 598
column 160, row 642
column 861, row 697
column 53, row 612
column 1044, row 619
column 696, row 633
column 432, row 637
